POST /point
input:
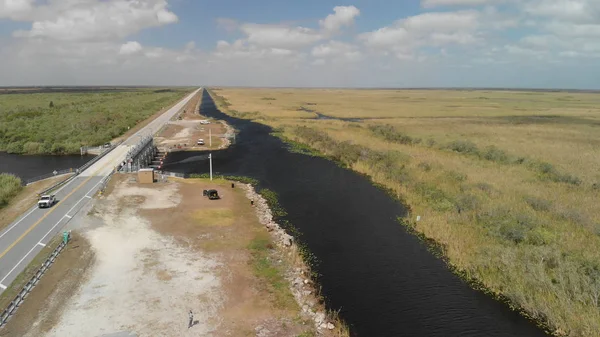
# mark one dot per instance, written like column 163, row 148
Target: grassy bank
column 60, row 123
column 10, row 186
column 506, row 183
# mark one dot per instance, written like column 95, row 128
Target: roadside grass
column 266, row 268
column 506, row 188
column 28, row 124
column 10, row 186
column 17, row 285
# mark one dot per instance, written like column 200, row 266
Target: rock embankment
column 301, row 286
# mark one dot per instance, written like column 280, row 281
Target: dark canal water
column 383, row 279
column 28, row 167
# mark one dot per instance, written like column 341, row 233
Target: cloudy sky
column 361, row 43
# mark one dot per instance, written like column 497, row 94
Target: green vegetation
column 272, row 200
column 10, row 185
column 266, row 268
column 241, row 179
column 60, row 123
column 506, row 183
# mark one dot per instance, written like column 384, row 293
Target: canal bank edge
column 299, row 274
column 407, row 222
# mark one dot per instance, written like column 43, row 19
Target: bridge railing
column 81, row 169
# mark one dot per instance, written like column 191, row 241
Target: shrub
column 484, row 187
column 390, row 134
column 467, row 202
column 492, row 153
column 10, row 185
column 437, row 198
column 508, row 225
column 454, row 176
column 548, row 172
column 538, row 204
column 462, row 146
column 425, row 166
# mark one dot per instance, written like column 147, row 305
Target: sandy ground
column 183, row 134
column 142, row 281
column 147, row 254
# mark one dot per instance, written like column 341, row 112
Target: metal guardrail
column 81, row 169
column 14, row 304
column 49, row 175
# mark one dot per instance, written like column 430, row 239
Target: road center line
column 16, row 223
column 50, row 212
column 56, row 224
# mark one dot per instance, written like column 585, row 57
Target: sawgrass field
column 506, row 182
column 60, row 122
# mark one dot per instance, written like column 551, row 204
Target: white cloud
column 578, row 11
column 338, row 50
column 280, row 36
column 405, row 37
column 343, row 16
column 437, row 3
column 91, row 42
column 15, row 9
column 94, row 20
column 130, row 48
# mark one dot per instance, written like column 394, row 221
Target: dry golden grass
column 525, row 229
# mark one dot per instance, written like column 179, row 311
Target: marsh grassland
column 507, row 183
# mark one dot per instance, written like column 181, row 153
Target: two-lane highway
column 29, row 234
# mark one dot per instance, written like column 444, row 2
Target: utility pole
column 210, row 160
column 209, row 137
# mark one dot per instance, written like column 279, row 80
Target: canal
column 383, row 280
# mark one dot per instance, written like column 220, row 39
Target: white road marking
column 16, row 223
column 87, row 196
column 3, row 286
column 68, row 216
column 51, row 229
column 18, row 263
column 42, row 239
column 81, row 174
column 41, row 244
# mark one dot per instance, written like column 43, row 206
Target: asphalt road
column 22, row 240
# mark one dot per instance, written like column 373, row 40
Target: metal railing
column 81, row 169
column 49, row 175
column 14, row 304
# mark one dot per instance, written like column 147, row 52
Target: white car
column 46, row 201
column 200, row 142
column 204, row 121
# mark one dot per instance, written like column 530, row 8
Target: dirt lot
column 182, row 135
column 159, row 251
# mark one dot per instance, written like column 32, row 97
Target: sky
column 308, row 43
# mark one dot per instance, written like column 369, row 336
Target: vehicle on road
column 204, row 121
column 200, row 142
column 46, row 201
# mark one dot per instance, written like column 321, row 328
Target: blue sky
column 411, row 43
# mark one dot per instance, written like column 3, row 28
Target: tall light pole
column 210, row 160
